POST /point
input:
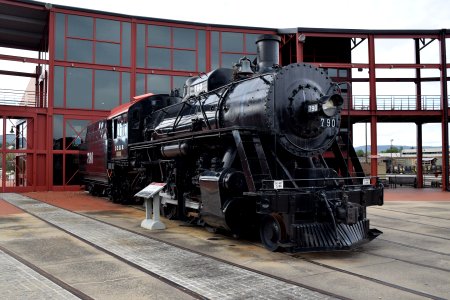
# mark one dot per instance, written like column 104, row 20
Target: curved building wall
column 102, row 61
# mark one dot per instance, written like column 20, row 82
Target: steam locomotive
column 256, row 147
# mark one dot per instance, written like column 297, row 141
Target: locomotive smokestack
column 268, row 52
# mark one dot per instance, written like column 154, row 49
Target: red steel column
column 133, row 60
column 298, row 48
column 3, row 155
column 51, row 83
column 444, row 106
column 419, row 125
column 373, row 108
column 419, row 156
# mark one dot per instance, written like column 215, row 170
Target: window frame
column 94, row 40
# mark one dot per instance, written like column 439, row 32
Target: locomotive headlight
column 330, row 104
column 329, row 108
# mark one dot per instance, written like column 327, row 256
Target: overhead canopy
column 23, row 27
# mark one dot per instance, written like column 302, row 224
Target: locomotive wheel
column 272, row 231
column 115, row 196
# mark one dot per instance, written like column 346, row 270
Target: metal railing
column 360, row 102
column 22, row 98
column 405, row 102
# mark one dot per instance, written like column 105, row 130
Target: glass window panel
column 250, row 42
column 228, row 60
column 60, row 28
column 232, row 42
column 75, row 133
column 140, row 84
column 79, row 88
column 57, row 169
column 184, row 60
column 106, row 89
column 58, row 87
column 126, row 44
column 79, row 50
column 184, row 38
column 214, row 50
column 158, row 35
column 79, row 26
column 72, row 176
column 107, row 30
column 201, row 50
column 343, row 73
column 178, row 83
column 107, row 53
column 140, row 46
column 332, row 72
column 158, row 84
column 126, row 87
column 159, row 58
column 57, row 132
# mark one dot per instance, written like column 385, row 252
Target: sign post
column 151, row 194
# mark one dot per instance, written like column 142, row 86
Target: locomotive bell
column 244, row 66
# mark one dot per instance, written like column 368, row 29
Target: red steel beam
column 24, row 59
column 21, row 74
column 377, row 66
column 384, row 35
column 391, row 79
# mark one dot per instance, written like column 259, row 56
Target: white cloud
column 369, row 14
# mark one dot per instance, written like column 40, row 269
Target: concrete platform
column 411, row 260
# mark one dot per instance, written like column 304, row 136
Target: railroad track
column 24, row 280
column 294, row 289
column 200, row 276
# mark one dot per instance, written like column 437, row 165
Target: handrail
column 397, row 102
column 11, row 97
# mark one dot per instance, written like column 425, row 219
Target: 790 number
column 327, row 122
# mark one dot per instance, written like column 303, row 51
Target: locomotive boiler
column 253, row 148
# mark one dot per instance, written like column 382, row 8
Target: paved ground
column 411, row 260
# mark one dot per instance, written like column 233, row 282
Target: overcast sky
column 367, row 14
column 354, row 14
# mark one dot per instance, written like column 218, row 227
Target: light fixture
column 12, row 130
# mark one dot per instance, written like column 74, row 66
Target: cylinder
column 267, row 46
column 174, row 150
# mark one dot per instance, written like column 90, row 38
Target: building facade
column 88, row 62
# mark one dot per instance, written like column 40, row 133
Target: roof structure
column 24, row 26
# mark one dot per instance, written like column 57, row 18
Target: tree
column 393, row 149
column 360, row 153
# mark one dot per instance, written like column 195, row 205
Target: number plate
column 313, row 108
column 278, row 184
column 327, row 122
column 366, row 181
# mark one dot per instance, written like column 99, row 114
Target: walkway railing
column 22, row 98
column 407, row 102
column 360, row 102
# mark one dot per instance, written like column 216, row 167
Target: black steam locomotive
column 244, row 149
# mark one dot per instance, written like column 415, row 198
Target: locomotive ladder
column 253, row 159
column 343, row 142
